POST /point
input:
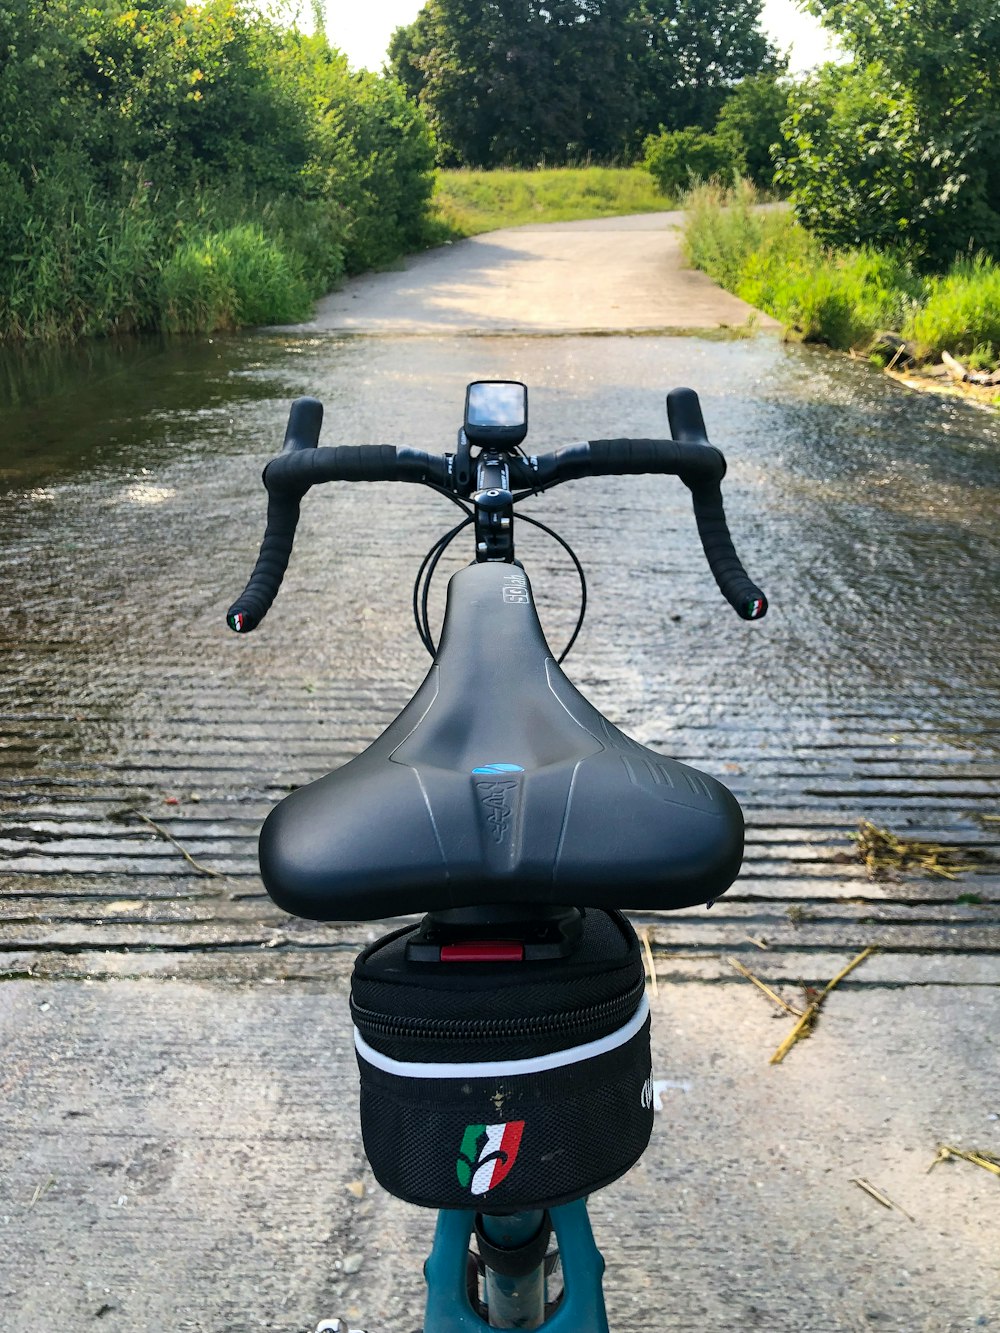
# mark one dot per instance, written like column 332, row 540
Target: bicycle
column 498, row 1038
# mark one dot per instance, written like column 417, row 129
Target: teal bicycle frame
column 517, row 1302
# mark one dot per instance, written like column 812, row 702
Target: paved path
column 609, row 275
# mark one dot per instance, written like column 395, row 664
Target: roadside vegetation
column 890, row 166
column 178, row 166
column 182, row 167
column 847, row 298
column 469, row 202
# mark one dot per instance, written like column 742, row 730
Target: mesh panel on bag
column 583, row 1126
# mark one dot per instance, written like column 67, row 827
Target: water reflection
column 121, row 403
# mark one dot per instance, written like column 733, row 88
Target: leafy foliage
column 840, row 297
column 961, row 313
column 751, row 120
column 855, row 163
column 689, row 56
column 677, row 158
column 908, row 138
column 228, row 278
column 519, row 82
column 143, row 146
column 747, row 130
column 836, row 297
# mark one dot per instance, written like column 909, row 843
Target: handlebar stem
column 494, row 504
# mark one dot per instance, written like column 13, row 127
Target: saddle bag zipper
column 618, row 1009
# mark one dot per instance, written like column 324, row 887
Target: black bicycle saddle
column 500, row 783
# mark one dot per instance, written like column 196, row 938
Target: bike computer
column 496, row 413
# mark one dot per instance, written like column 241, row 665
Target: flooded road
column 132, row 512
column 190, row 1101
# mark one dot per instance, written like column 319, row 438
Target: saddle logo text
column 495, row 797
column 487, row 1154
column 515, row 589
column 496, row 785
column 646, row 1096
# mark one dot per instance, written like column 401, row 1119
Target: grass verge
column 470, row 202
column 844, row 298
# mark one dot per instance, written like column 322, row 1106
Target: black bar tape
column 694, row 463
column 305, row 418
column 562, row 464
column 293, row 473
column 304, row 421
column 290, row 475
column 254, row 602
column 688, row 425
column 739, row 590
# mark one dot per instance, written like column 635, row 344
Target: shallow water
column 132, row 513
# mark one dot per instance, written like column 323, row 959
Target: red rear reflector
column 483, row 951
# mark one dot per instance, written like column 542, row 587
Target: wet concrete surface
column 600, row 275
column 179, row 1095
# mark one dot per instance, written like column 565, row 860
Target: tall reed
column 221, row 280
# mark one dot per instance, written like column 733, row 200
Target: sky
column 361, row 28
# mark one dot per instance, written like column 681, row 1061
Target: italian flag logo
column 487, row 1154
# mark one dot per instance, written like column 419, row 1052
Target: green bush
column 902, row 146
column 316, row 232
column 724, row 232
column 841, row 298
column 74, row 260
column 227, row 279
column 676, row 159
column 751, row 121
column 183, row 166
column 858, row 169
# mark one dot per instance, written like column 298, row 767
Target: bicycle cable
column 580, row 573
column 429, row 564
column 420, row 609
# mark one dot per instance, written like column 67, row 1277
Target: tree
column 854, row 161
column 522, row 81
column 934, row 65
column 690, row 55
column 173, row 164
column 35, row 115
column 476, row 69
column 188, row 91
column 751, row 120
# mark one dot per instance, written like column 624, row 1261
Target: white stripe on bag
column 537, row 1064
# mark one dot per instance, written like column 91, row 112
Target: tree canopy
column 904, row 143
column 524, row 81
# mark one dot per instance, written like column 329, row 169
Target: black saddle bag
column 504, row 1085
